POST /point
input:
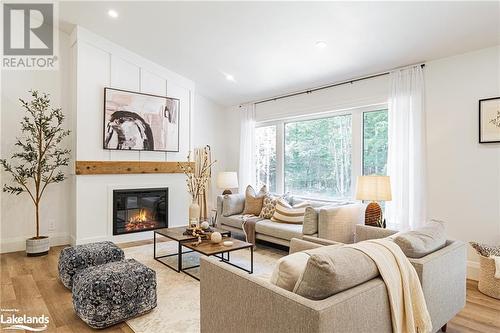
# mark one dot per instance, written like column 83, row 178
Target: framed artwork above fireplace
column 137, row 121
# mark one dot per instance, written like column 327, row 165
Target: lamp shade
column 226, row 180
column 373, row 188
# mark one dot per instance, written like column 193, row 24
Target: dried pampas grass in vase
column 196, row 179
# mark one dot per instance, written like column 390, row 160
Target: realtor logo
column 29, row 36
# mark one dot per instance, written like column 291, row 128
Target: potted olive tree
column 38, row 159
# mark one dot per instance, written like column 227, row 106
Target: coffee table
column 206, row 248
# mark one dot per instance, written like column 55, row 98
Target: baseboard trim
column 125, row 238
column 19, row 243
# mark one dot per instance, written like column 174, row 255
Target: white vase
column 194, row 212
column 37, row 246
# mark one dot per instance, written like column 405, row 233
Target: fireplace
column 137, row 210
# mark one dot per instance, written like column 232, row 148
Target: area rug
column 178, row 294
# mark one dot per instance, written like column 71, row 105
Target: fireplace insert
column 136, row 210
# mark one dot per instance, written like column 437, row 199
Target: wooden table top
column 208, row 248
column 177, row 233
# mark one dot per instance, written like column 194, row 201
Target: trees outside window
column 375, row 142
column 320, row 158
column 265, row 159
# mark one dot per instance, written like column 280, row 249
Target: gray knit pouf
column 76, row 258
column 108, row 294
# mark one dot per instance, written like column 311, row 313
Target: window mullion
column 280, row 157
column 357, row 148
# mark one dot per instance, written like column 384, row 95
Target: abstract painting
column 489, row 120
column 137, row 121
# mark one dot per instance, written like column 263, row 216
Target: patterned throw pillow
column 486, row 250
column 288, row 214
column 253, row 201
column 268, row 206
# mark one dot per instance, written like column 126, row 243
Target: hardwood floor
column 31, row 285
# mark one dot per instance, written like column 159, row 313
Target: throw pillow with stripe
column 285, row 213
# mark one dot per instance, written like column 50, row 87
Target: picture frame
column 489, row 120
column 134, row 121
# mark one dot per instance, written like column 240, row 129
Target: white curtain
column 246, row 172
column 407, row 151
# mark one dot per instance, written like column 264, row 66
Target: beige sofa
column 234, row 301
column 329, row 220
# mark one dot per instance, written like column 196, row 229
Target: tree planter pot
column 37, row 246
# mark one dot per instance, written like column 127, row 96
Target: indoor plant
column 38, row 160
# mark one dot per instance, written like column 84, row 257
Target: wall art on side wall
column 136, row 121
column 489, row 120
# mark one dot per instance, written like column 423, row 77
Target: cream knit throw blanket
column 408, row 309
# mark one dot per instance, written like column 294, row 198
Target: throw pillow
column 422, row 241
column 268, row 206
column 253, row 201
column 286, row 214
column 232, row 204
column 333, row 271
column 310, row 226
column 486, row 250
column 289, row 268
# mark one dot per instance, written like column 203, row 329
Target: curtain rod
column 308, row 91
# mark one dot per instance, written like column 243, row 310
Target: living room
column 251, row 166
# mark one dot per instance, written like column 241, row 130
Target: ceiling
column 270, row 47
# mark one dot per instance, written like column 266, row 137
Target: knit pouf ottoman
column 108, row 294
column 75, row 258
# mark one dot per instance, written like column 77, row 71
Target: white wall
column 17, row 215
column 356, row 94
column 463, row 175
column 210, row 128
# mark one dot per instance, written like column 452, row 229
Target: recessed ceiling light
column 321, row 44
column 229, row 77
column 112, row 13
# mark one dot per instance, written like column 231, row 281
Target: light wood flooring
column 31, row 285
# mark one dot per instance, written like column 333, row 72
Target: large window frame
column 357, row 124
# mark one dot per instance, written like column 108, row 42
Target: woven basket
column 488, row 284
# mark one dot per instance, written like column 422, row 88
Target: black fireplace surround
column 136, row 210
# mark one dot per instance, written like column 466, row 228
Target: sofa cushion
column 253, row 201
column 232, row 204
column 422, row 241
column 279, row 230
column 333, row 271
column 286, row 214
column 311, row 217
column 338, row 223
column 232, row 221
column 289, row 268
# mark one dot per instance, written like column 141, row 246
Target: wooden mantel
column 127, row 167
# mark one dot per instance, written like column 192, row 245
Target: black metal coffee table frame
column 179, row 254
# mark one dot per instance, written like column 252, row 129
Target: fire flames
column 140, row 221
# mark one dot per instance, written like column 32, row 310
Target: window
column 318, row 157
column 375, row 142
column 265, row 159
